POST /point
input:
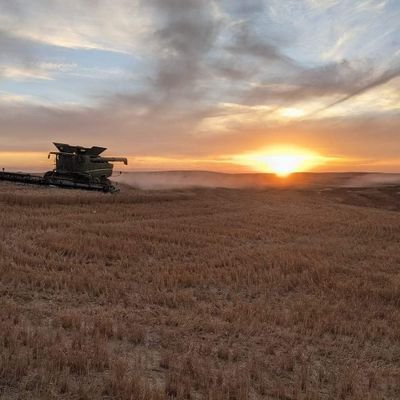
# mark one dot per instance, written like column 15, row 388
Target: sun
column 280, row 160
column 284, row 164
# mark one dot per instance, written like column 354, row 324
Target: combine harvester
column 76, row 168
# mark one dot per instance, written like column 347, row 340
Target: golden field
column 199, row 294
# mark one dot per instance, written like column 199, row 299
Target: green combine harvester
column 76, row 167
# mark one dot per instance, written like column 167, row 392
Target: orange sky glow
column 281, row 160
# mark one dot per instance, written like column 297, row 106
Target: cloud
column 23, row 74
column 34, row 71
column 15, row 49
column 11, row 99
column 346, row 79
column 300, row 83
column 21, row 60
column 185, row 35
column 246, row 8
column 76, row 24
column 383, row 78
column 201, row 52
column 247, row 43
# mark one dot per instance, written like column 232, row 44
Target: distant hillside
column 192, row 179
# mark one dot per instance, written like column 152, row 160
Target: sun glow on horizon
column 281, row 161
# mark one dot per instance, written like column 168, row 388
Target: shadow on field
column 383, row 197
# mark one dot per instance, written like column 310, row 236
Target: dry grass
column 202, row 294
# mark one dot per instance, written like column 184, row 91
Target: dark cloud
column 249, row 7
column 16, row 50
column 334, row 77
column 21, row 53
column 383, row 78
column 343, row 78
column 246, row 42
column 194, row 46
column 244, row 8
column 232, row 71
column 186, row 35
column 12, row 7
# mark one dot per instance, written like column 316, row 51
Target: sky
column 202, row 84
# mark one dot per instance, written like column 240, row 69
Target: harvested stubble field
column 199, row 294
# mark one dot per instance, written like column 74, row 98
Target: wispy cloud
column 23, row 74
column 76, row 24
column 383, row 78
column 34, row 71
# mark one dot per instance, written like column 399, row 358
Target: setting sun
column 281, row 161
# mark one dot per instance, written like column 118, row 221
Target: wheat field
column 199, row 294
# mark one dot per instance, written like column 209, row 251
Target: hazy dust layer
column 193, row 179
